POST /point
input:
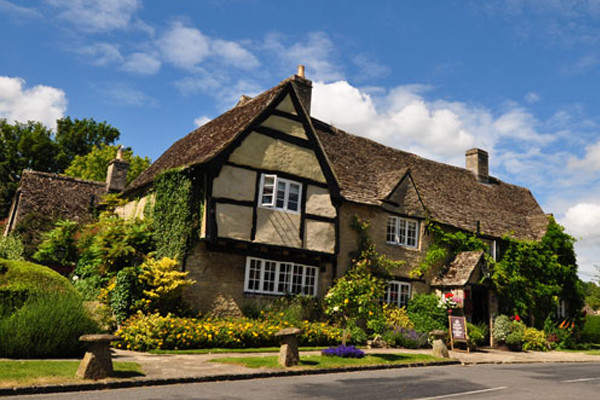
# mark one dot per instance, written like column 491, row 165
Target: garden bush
column 559, row 335
column 591, row 329
column 11, row 247
column 502, row 328
column 534, row 339
column 405, row 338
column 146, row 332
column 41, row 314
column 46, row 326
column 20, row 280
column 426, row 313
column 477, row 334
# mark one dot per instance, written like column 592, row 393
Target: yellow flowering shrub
column 146, row 332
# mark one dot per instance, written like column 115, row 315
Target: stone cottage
column 281, row 189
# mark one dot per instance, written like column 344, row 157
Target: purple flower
column 343, row 351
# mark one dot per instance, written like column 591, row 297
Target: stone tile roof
column 57, row 196
column 460, row 269
column 368, row 171
column 210, row 139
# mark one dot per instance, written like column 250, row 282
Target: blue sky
column 517, row 78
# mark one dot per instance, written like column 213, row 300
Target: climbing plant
column 533, row 276
column 446, row 244
column 177, row 205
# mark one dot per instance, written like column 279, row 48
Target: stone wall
column 220, row 282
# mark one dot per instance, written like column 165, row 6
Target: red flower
column 448, row 295
column 517, row 318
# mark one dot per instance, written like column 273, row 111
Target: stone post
column 97, row 362
column 288, row 353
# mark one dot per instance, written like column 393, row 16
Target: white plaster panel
column 260, row 151
column 318, row 202
column 278, row 227
column 287, row 105
column 234, row 221
column 235, row 183
column 293, row 128
column 320, row 236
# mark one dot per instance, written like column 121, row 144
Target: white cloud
column 234, row 54
column 583, row 221
column 531, row 97
column 97, row 15
column 187, row 47
column 142, row 64
column 591, row 160
column 317, row 53
column 201, row 120
column 403, row 118
column 183, row 46
column 18, row 11
column 368, row 68
column 124, row 95
column 101, row 54
column 39, row 103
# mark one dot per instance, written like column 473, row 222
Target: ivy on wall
column 177, row 206
column 446, row 244
column 531, row 277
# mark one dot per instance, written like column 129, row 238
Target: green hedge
column 591, row 329
column 41, row 313
column 46, row 327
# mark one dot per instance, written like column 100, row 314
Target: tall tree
column 78, row 137
column 34, row 146
column 94, row 164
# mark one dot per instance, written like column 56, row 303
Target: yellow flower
column 345, row 301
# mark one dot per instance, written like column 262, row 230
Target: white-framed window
column 279, row 277
column 402, row 231
column 397, row 293
column 279, row 193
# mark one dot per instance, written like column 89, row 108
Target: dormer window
column 280, row 194
column 403, row 231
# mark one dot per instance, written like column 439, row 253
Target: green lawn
column 317, row 361
column 220, row 351
column 34, row 372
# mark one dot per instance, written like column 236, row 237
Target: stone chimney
column 303, row 87
column 116, row 176
column 477, row 163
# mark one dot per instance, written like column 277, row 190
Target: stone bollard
column 97, row 362
column 439, row 347
column 288, row 353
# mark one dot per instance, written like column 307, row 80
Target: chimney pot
column 477, row 161
column 301, row 71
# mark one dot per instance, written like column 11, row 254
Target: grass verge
column 38, row 372
column 317, row 361
column 221, row 351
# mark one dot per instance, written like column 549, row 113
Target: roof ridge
column 62, row 177
column 416, row 156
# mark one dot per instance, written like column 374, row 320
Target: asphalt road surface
column 514, row 382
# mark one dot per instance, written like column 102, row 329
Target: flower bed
column 147, row 332
column 343, row 351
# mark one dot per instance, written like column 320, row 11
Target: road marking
column 580, row 380
column 445, row 396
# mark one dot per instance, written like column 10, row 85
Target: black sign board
column 458, row 330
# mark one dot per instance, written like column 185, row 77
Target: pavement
column 167, row 369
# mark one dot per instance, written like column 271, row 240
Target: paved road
column 530, row 381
